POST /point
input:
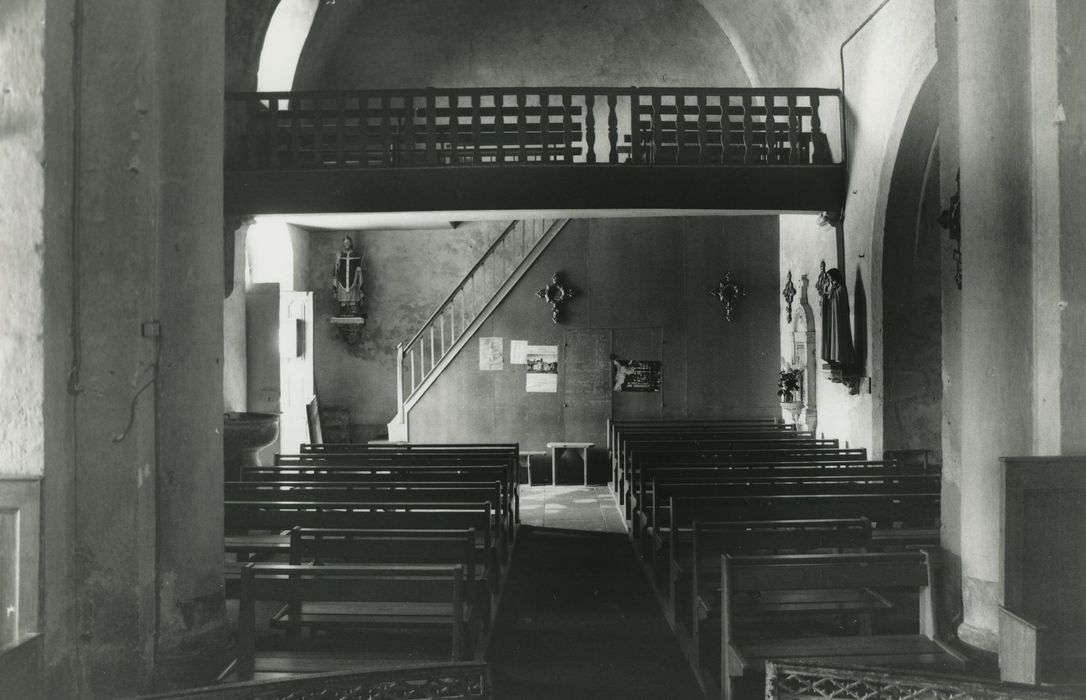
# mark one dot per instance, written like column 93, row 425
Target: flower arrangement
column 788, row 385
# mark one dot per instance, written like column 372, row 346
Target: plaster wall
column 885, row 65
column 790, row 42
column 408, row 273
column 1072, row 213
column 22, row 180
column 465, row 43
column 641, row 286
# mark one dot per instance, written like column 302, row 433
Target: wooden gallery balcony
column 532, row 149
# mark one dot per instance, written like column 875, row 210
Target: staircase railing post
column 399, row 380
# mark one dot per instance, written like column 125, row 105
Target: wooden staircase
column 421, row 360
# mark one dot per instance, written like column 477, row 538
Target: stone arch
column 911, row 285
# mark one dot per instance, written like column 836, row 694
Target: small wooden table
column 557, row 448
column 526, row 457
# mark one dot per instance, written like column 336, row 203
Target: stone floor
column 590, row 508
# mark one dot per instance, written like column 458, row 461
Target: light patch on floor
column 590, row 508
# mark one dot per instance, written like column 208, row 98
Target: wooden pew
column 777, row 456
column 744, row 576
column 316, row 471
column 841, row 481
column 249, row 517
column 798, row 680
column 372, row 491
column 324, row 546
column 642, row 443
column 617, row 430
column 883, row 509
column 699, row 574
column 642, row 500
column 420, row 597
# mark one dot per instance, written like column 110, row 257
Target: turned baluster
column 680, row 127
column 522, row 127
column 703, row 135
column 273, row 132
column 770, row 130
column 431, row 128
column 295, row 132
column 748, row 131
column 725, row 127
column 544, row 125
column 567, row 126
column 318, row 133
column 612, row 128
column 499, row 127
column 793, row 130
column 821, row 146
column 590, row 126
column 363, row 130
column 454, row 130
column 341, row 128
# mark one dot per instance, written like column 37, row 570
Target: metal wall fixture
column 728, row 293
column 789, row 293
column 555, row 294
column 951, row 220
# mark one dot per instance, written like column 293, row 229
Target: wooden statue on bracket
column 837, row 348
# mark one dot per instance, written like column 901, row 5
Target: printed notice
column 542, row 377
column 490, row 354
column 518, row 352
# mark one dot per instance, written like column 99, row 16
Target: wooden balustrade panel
column 467, row 127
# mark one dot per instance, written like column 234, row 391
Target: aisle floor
column 578, row 618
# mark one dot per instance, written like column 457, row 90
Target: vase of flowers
column 788, row 385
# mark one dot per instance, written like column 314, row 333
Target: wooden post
column 680, row 126
column 703, row 136
column 793, row 131
column 318, row 133
column 748, row 131
column 725, row 127
column 612, row 128
column 567, row 126
column 499, row 127
column 273, row 132
column 386, row 130
column 590, row 127
column 476, row 151
column 770, row 129
column 363, row 130
column 544, row 125
column 431, row 125
column 341, row 125
column 454, row 129
column 522, row 126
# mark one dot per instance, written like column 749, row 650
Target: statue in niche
column 347, row 279
column 837, row 346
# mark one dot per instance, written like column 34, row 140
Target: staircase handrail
column 463, row 283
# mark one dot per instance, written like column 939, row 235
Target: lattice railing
column 788, row 680
column 454, row 681
column 518, row 126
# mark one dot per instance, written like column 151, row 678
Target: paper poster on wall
column 490, row 354
column 635, row 375
column 518, row 352
column 542, row 377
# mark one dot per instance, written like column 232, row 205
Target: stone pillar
column 147, row 393
column 994, row 139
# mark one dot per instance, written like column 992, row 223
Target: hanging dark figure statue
column 837, row 346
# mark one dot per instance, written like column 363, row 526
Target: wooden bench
column 775, row 456
column 254, row 517
column 884, row 510
column 742, row 576
column 317, row 470
column 423, row 598
column 324, row 546
column 663, row 488
column 649, row 475
column 698, row 575
column 373, row 492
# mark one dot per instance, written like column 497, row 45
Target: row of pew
column 765, row 542
column 360, row 556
